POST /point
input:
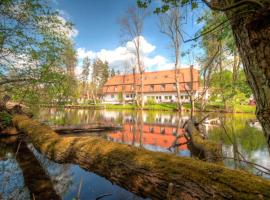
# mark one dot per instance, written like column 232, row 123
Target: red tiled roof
column 159, row 81
column 161, row 136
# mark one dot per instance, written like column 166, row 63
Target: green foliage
column 227, row 91
column 100, row 72
column 5, row 119
column 167, row 4
column 38, row 57
column 85, row 69
column 120, row 97
column 151, row 101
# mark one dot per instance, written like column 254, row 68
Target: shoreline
column 155, row 107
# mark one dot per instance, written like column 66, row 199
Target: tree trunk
column 146, row 173
column 85, row 128
column 179, row 100
column 135, row 87
column 252, row 36
column 142, row 85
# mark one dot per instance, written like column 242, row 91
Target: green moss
column 134, row 168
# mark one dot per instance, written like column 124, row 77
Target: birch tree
column 170, row 25
column 132, row 27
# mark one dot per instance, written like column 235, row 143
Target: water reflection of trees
column 244, row 139
column 12, row 184
column 240, row 142
column 26, row 174
column 60, row 174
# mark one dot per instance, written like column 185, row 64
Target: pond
column 24, row 172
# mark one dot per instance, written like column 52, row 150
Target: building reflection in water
column 156, row 134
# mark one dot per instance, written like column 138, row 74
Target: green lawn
column 172, row 106
column 161, row 106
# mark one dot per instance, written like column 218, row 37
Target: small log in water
column 146, row 173
column 201, row 147
column 85, row 128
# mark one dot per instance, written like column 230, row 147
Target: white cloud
column 118, row 57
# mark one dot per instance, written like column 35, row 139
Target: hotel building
column 159, row 85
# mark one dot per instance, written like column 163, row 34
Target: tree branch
column 235, row 5
column 16, row 80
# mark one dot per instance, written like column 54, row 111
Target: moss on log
column 144, row 172
column 202, row 148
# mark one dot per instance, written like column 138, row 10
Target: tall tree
column 70, row 58
column 100, row 75
column 33, row 38
column 170, row 25
column 250, row 25
column 132, row 27
column 112, row 73
column 85, row 76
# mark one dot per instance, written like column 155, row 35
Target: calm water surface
column 155, row 131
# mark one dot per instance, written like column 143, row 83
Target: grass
column 212, row 107
column 161, row 106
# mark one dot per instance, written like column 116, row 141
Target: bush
column 151, row 101
column 5, row 119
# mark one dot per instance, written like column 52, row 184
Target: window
column 163, row 87
column 152, row 87
column 189, row 85
column 151, row 129
column 162, row 130
column 127, row 95
column 166, row 97
column 158, row 119
column 182, row 97
column 112, row 96
column 170, row 97
column 186, row 97
column 174, row 86
column 115, row 88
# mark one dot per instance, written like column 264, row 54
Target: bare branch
column 235, row 5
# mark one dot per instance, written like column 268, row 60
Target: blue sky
column 98, row 32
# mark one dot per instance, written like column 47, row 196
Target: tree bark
column 146, row 173
column 252, row 36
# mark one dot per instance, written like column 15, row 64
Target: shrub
column 151, row 101
column 5, row 119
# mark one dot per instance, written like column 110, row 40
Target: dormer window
column 163, row 87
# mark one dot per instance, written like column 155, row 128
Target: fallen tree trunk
column 146, row 173
column 85, row 128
